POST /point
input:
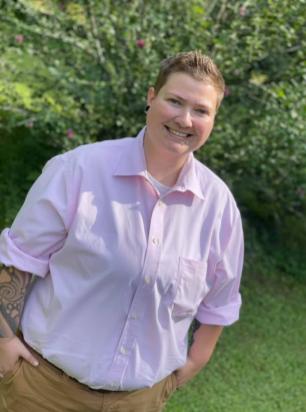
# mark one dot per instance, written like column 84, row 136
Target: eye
column 201, row 111
column 174, row 101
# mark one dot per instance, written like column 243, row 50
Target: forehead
column 188, row 88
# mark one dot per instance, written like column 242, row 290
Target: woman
column 129, row 241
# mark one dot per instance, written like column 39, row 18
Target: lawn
column 260, row 362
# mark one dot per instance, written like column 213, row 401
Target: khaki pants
column 47, row 389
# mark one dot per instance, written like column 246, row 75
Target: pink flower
column 70, row 133
column 140, row 43
column 19, row 38
column 227, row 91
column 243, row 11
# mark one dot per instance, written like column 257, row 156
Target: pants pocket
column 174, row 381
column 10, row 376
column 169, row 387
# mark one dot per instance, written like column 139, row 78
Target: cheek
column 165, row 110
column 206, row 127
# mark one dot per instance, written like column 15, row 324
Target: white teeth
column 180, row 134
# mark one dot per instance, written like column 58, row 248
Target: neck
column 166, row 168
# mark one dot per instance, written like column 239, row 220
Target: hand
column 187, row 372
column 11, row 349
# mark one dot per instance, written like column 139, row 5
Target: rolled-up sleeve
column 221, row 305
column 41, row 225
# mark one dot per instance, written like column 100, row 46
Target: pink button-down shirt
column 122, row 272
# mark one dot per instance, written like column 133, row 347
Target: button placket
column 143, row 293
column 154, row 243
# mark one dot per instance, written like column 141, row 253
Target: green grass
column 260, row 362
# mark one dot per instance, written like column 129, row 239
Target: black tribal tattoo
column 14, row 285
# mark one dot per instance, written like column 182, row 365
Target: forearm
column 204, row 342
column 14, row 285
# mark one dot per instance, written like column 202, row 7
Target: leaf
column 76, row 13
column 52, row 102
column 41, row 6
column 24, row 93
column 258, row 78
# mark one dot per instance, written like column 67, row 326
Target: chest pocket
column 191, row 287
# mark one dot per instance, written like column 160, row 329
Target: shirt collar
column 188, row 179
column 134, row 164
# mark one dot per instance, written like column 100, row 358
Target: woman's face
column 181, row 116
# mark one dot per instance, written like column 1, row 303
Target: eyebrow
column 200, row 105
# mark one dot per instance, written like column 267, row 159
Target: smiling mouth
column 177, row 133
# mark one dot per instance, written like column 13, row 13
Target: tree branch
column 95, row 35
column 49, row 34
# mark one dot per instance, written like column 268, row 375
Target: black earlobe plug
column 147, row 109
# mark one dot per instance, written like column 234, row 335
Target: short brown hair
column 197, row 65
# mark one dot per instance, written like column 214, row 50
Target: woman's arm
column 14, row 285
column 201, row 350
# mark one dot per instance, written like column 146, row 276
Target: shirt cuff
column 11, row 255
column 222, row 315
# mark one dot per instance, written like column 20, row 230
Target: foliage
column 259, row 143
column 82, row 65
column 20, row 160
column 72, row 72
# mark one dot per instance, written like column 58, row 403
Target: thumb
column 27, row 355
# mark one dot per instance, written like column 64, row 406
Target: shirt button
column 155, row 241
column 134, row 316
column 160, row 203
column 147, row 280
column 123, row 350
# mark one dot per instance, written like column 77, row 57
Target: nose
column 184, row 119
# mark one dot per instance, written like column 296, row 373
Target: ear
column 150, row 95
